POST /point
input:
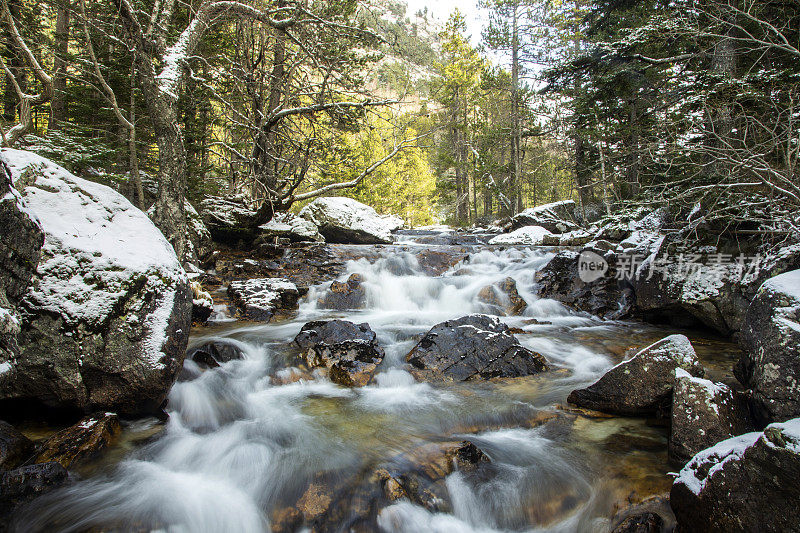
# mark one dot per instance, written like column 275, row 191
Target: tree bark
column 58, row 105
column 516, row 137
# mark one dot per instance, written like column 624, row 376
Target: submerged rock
column 213, row 353
column 259, row 299
column 642, row 385
column 472, row 347
column 652, row 515
column 528, row 236
column 342, row 296
column 15, row 448
column 344, row 220
column 770, row 365
column 503, row 297
column 746, row 483
column 349, row 352
column 292, row 227
column 703, row 413
column 81, row 442
column 25, row 483
column 107, row 316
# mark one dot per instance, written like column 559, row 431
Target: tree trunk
column 133, row 153
column 15, row 65
column 58, row 105
column 516, row 138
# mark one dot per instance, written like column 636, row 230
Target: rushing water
column 237, row 446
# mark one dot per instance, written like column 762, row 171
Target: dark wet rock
column 107, row 315
column 15, row 448
column 606, row 296
column 770, row 364
column 261, row 298
column 84, row 441
column 746, row 483
column 503, row 297
column 292, row 227
column 703, row 413
column 714, row 296
column 228, row 219
column 642, row 385
column 344, row 220
column 342, row 296
column 212, row 354
column 349, row 352
column 472, row 347
column 20, row 249
column 557, row 217
column 652, row 515
column 304, row 265
column 23, row 484
column 436, row 263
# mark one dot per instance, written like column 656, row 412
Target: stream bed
column 245, row 441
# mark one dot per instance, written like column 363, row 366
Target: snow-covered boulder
column 344, row 220
column 260, row 299
column 556, row 217
column 292, row 227
column 703, row 413
column 770, row 365
column 228, row 219
column 528, row 236
column 746, row 483
column 106, row 318
column 19, row 254
column 641, row 385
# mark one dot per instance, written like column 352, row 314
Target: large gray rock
column 642, row 385
column 746, row 483
column 349, row 352
column 770, row 364
column 106, row 319
column 525, row 236
column 15, row 448
column 20, row 249
column 292, row 227
column 259, row 299
column 471, row 348
column 556, row 217
column 703, row 413
column 344, row 220
column 228, row 219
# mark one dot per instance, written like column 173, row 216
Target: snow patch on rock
column 529, row 235
column 715, row 457
column 346, row 220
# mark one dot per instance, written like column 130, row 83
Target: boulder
column 556, row 217
column 107, row 316
column 15, row 448
column 641, row 385
column 470, row 348
column 344, row 220
column 228, row 219
column 213, row 353
column 746, row 483
column 84, row 441
column 292, row 227
column 527, row 236
column 348, row 352
column 436, row 262
column 20, row 249
column 259, row 299
column 703, row 413
column 770, row 364
column 605, row 296
column 342, row 296
column 503, row 297
column 652, row 515
column 23, row 484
